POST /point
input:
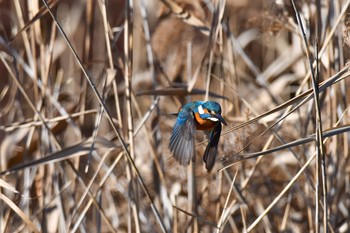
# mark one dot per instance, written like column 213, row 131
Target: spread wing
column 182, row 138
column 212, row 148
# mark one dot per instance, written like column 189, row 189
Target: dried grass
column 86, row 97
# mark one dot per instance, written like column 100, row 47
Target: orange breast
column 203, row 124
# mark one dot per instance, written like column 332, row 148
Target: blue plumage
column 198, row 115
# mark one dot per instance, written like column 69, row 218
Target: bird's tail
column 210, row 152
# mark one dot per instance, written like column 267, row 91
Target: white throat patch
column 213, row 118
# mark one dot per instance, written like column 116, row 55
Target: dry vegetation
column 86, row 95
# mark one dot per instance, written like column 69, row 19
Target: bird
column 197, row 115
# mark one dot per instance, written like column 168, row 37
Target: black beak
column 220, row 118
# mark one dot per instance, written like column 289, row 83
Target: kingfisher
column 197, row 115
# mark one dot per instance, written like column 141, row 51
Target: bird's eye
column 212, row 112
